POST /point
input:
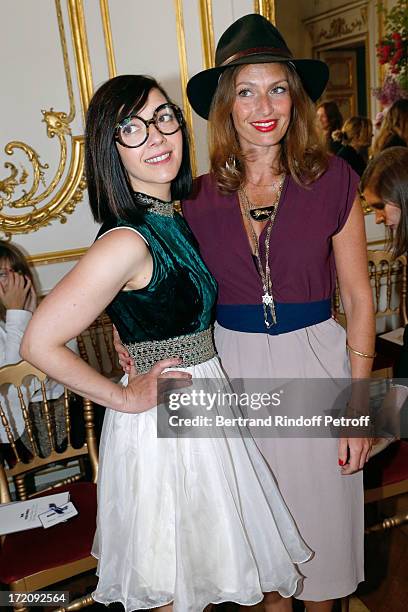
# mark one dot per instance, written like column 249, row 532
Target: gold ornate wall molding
column 207, row 33
column 181, row 44
column 42, row 210
column 44, row 259
column 266, row 8
column 81, row 50
column 339, row 24
column 107, row 32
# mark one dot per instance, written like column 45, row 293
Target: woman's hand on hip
column 125, row 360
column 141, row 394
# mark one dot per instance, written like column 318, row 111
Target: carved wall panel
column 342, row 85
column 348, row 21
column 352, row 23
column 341, row 27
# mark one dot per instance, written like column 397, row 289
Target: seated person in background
column 18, row 300
column 355, row 139
column 329, row 119
column 394, row 128
column 385, row 188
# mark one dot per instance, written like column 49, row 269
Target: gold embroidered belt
column 192, row 348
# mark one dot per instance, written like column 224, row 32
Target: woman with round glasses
column 182, row 522
column 133, row 131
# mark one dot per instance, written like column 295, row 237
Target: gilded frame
column 59, row 198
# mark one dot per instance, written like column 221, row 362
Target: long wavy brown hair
column 303, row 153
column 387, row 177
column 395, row 124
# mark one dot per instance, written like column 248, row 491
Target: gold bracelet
column 366, row 355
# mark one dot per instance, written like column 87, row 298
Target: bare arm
column 350, row 251
column 74, row 304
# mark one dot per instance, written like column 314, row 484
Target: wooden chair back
column 388, row 277
column 96, row 347
column 19, row 467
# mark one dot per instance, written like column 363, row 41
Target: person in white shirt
column 18, row 300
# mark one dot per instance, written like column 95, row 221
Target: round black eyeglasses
column 133, row 131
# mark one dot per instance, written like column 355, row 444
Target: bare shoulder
column 109, row 263
column 120, row 243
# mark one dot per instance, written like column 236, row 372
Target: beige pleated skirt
column 328, row 507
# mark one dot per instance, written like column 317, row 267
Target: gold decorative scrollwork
column 339, row 27
column 70, row 192
column 8, row 185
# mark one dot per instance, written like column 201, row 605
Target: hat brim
column 314, row 75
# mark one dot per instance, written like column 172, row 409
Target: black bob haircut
column 110, row 192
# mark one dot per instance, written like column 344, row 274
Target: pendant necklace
column 270, row 213
column 261, row 214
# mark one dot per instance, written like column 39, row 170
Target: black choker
column 261, row 214
column 155, row 205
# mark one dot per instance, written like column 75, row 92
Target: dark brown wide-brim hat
column 252, row 39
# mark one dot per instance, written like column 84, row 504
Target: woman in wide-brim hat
column 276, row 220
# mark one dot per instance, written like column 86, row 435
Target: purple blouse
column 301, row 252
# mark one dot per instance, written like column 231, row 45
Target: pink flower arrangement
column 390, row 91
column 392, row 51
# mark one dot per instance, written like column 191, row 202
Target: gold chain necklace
column 268, row 302
column 274, row 184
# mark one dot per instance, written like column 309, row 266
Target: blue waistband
column 250, row 317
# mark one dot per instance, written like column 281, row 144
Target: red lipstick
column 267, row 125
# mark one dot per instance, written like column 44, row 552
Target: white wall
column 33, row 78
column 144, row 40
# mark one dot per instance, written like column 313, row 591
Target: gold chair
column 96, row 347
column 388, row 277
column 386, row 477
column 389, row 273
column 38, row 558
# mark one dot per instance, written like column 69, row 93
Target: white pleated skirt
column 189, row 520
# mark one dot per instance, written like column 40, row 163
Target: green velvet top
column 180, row 296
